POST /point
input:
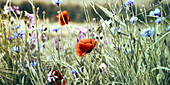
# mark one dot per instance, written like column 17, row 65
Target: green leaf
column 23, row 80
column 159, row 67
column 2, row 80
column 110, row 14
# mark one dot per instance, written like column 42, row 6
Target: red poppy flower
column 63, row 18
column 85, row 46
column 56, row 78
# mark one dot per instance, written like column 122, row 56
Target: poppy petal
column 63, row 18
column 85, row 46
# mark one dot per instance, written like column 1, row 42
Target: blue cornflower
column 56, row 2
column 74, row 72
column 158, row 20
column 132, row 19
column 147, row 32
column 33, row 64
column 56, row 29
column 18, row 27
column 15, row 49
column 129, row 2
column 27, row 65
column 113, row 30
column 19, row 33
column 156, row 12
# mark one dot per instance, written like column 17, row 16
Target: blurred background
column 75, row 7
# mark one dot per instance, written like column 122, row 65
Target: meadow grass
column 122, row 56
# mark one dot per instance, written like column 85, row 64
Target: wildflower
column 56, row 29
column 105, row 41
column 85, row 46
column 7, row 9
column 9, row 38
column 132, row 19
column 147, row 32
column 56, row 78
column 34, row 38
column 158, row 20
column 19, row 33
column 33, row 64
column 56, row 2
column 113, row 30
column 31, row 18
column 27, row 65
column 16, row 9
column 129, row 2
column 156, row 12
column 42, row 38
column 15, row 49
column 102, row 67
column 74, row 72
column 56, row 42
column 63, row 18
column 128, row 51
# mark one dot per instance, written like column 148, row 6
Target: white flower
column 102, row 65
column 51, row 76
column 6, row 10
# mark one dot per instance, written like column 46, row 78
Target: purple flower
column 9, row 38
column 147, row 32
column 31, row 18
column 77, row 39
column 80, row 33
column 129, row 2
column 100, row 70
column 56, row 42
column 74, row 72
column 132, row 19
column 105, row 41
column 34, row 38
column 16, row 9
column 42, row 38
column 56, row 2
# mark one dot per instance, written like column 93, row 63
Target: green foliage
column 130, row 58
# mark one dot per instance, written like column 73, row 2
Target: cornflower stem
column 38, row 60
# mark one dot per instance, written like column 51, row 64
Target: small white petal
column 49, row 79
column 102, row 65
column 49, row 74
column 55, row 76
column 53, row 72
